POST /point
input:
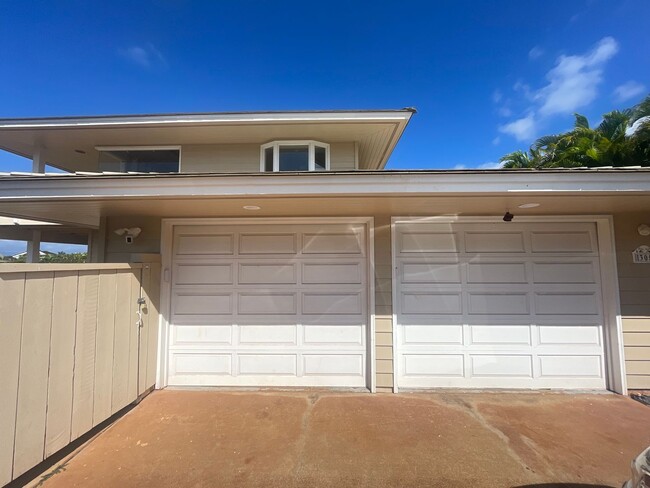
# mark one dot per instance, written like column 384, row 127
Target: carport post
column 34, row 247
column 38, row 164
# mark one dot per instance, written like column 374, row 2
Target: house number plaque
column 641, row 255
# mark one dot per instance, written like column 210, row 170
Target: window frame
column 145, row 148
column 311, row 144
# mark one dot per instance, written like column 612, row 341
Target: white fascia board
column 210, row 119
column 87, row 187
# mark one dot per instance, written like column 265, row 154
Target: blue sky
column 486, row 77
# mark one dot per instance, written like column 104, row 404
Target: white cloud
column 628, row 90
column 145, row 56
column 496, row 141
column 523, row 129
column 535, row 53
column 574, row 80
column 497, row 96
column 572, row 84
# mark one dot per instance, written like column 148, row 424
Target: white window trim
column 312, row 153
column 146, row 148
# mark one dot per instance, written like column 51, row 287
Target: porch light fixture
column 251, row 207
column 507, row 217
column 529, row 205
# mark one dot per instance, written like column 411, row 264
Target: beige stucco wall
column 634, row 284
column 245, row 158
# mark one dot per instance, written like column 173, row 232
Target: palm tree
column 621, row 139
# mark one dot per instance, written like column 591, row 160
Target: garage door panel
column 266, row 303
column 565, row 272
column 202, row 304
column 268, row 334
column 498, row 303
column 496, row 272
column 565, row 303
column 570, row 242
column 333, row 364
column 435, row 365
column 500, row 334
column 431, row 303
column 202, row 274
column 254, row 243
column 326, row 273
column 325, row 303
column 428, row 242
column 269, row 305
column 202, row 334
column 431, row 272
column 204, row 245
column 522, row 300
column 267, row 364
column 333, row 334
column 333, row 243
column 569, row 334
column 501, row 365
column 494, row 242
column 570, row 366
column 432, row 334
column 197, row 363
column 266, row 274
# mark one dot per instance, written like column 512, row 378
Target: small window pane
column 140, row 160
column 319, row 158
column 268, row 159
column 294, row 158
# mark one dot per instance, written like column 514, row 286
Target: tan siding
column 636, row 324
column 245, row 158
column 634, row 284
column 342, row 156
column 638, row 367
column 384, row 380
column 384, row 366
column 221, row 158
column 638, row 382
column 383, row 303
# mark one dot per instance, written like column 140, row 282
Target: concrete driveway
column 314, row 439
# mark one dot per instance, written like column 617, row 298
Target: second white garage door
column 269, row 305
column 508, row 305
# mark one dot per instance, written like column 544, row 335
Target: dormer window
column 295, row 156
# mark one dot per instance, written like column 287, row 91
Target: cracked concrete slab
column 324, row 438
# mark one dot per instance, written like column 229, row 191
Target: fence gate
column 77, row 344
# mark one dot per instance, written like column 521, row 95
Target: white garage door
column 269, row 305
column 503, row 305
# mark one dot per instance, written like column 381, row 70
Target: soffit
column 61, row 142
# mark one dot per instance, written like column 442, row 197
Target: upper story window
column 140, row 159
column 295, row 156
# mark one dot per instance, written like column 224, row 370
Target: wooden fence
column 72, row 352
